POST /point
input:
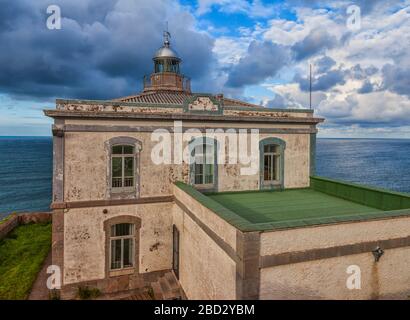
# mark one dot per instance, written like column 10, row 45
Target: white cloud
column 384, row 38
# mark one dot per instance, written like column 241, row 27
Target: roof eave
column 172, row 116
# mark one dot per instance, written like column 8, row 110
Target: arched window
column 122, row 243
column 271, row 160
column 123, row 167
column 122, row 235
column 203, row 163
column 272, row 163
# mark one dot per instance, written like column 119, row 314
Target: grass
column 298, row 204
column 22, row 254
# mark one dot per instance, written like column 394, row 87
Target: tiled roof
column 159, row 97
column 177, row 98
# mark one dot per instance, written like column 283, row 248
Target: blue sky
column 254, row 50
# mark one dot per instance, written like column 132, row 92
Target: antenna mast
column 310, row 88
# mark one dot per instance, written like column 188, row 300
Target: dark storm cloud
column 323, row 82
column 263, row 60
column 396, row 79
column 102, row 51
column 359, row 73
column 367, row 87
column 277, row 102
column 315, row 42
column 324, row 64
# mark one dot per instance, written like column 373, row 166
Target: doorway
column 175, row 251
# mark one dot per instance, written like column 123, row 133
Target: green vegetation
column 151, row 293
column 22, row 254
column 86, row 293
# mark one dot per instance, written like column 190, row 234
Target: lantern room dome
column 166, row 52
column 167, row 74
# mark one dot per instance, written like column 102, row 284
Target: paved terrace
column 325, row 202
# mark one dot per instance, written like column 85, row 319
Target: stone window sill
column 121, row 272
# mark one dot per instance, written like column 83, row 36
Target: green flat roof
column 325, row 202
column 288, row 205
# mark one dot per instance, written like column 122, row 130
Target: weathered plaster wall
column 214, row 222
column 86, row 165
column 326, row 279
column 206, row 270
column 84, row 239
column 296, row 159
column 85, row 157
column 301, row 239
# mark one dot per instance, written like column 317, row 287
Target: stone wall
column 23, row 218
column 7, row 226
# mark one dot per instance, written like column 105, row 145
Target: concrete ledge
column 114, row 202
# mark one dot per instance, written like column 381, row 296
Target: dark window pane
column 116, row 167
column 199, row 169
column 209, row 173
column 127, row 256
column 128, row 167
column 198, row 179
column 267, row 167
column 117, row 149
column 116, row 172
column 269, row 148
column 116, row 254
column 128, row 150
column 275, row 168
column 122, row 229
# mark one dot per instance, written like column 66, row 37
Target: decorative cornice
column 173, row 116
column 126, row 128
column 227, row 106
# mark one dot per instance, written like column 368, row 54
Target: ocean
column 26, row 167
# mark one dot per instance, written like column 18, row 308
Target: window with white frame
column 271, row 163
column 122, row 167
column 122, row 245
column 204, row 164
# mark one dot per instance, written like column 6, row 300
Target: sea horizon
column 333, row 138
column 26, row 171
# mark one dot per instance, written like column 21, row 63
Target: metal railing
column 167, row 79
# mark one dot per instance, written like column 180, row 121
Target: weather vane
column 167, row 35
